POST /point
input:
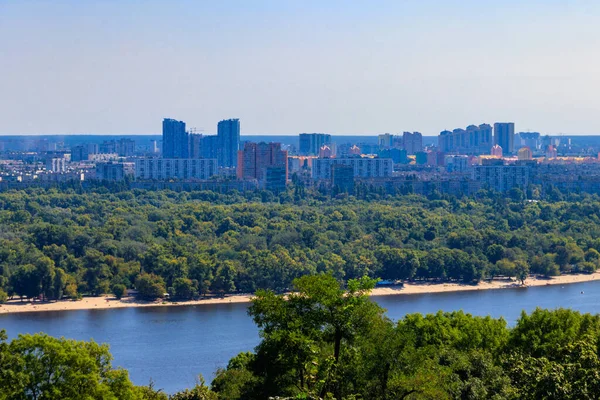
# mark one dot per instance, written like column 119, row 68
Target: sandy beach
column 108, row 302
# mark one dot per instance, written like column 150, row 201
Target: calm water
column 172, row 345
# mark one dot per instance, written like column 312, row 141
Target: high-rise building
column 504, row 136
column 385, row 141
column 473, row 140
column 310, row 143
column 228, row 133
column 125, row 147
column 255, row 158
column 57, row 164
column 82, row 152
column 175, row 139
column 412, row 142
column 196, row 145
column 342, row 177
column 210, row 146
column 530, row 139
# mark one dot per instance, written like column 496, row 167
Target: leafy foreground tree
column 40, row 367
column 43, row 367
column 323, row 343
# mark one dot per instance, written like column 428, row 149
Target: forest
column 329, row 341
column 70, row 243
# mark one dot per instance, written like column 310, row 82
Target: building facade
column 175, row 139
column 504, row 136
column 114, row 171
column 412, row 142
column 342, row 177
column 363, row 167
column 502, row 178
column 175, row 168
column 228, row 133
column 310, row 143
column 196, row 145
column 457, row 164
column 255, row 158
column 385, row 141
column 473, row 140
column 530, row 139
column 57, row 164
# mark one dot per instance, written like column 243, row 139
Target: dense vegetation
column 322, row 342
column 69, row 243
column 40, row 367
column 326, row 341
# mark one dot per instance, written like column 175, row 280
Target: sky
column 291, row 66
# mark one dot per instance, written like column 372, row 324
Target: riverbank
column 108, row 302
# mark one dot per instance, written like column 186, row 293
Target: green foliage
column 150, row 286
column 58, row 244
column 119, row 290
column 547, row 355
column 198, row 392
column 42, row 367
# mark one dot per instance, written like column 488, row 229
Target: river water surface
column 172, row 345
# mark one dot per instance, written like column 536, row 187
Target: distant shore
column 109, row 302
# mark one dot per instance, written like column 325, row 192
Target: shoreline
column 110, row 302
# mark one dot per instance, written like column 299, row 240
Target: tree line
column 67, row 243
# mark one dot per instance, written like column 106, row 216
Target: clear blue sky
column 290, row 66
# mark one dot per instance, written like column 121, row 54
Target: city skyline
column 285, row 68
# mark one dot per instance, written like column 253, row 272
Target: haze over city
column 284, row 67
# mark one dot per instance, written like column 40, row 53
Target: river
column 172, row 345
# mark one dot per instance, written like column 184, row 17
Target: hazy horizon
column 340, row 67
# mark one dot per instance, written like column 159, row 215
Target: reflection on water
column 172, row 345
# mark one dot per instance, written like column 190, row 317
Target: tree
column 397, row 263
column 119, row 290
column 59, row 283
column 46, row 272
column 224, row 278
column 184, row 288
column 48, row 368
column 26, row 281
column 150, row 286
column 198, row 392
column 319, row 313
column 495, row 253
column 506, row 268
column 521, row 270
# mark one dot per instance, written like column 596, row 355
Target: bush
column 3, row 297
